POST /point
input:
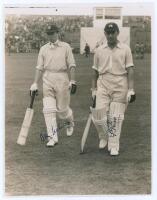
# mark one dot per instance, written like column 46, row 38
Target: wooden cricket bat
column 87, row 127
column 26, row 122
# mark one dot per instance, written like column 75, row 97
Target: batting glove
column 72, row 87
column 131, row 96
column 34, row 88
column 94, row 91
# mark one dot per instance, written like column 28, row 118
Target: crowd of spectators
column 140, row 31
column 27, row 33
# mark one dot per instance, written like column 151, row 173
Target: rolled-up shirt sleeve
column 95, row 61
column 40, row 61
column 70, row 58
column 129, row 59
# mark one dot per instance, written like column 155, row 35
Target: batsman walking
column 113, row 86
column 55, row 62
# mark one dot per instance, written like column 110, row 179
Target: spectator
column 137, row 50
column 142, row 50
column 87, row 50
column 30, row 28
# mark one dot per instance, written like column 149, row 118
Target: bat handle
column 32, row 99
column 94, row 102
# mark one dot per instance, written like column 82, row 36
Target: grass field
column 36, row 170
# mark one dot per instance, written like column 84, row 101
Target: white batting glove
column 94, row 91
column 131, row 96
column 34, row 88
column 72, row 87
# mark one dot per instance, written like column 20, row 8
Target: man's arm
column 72, row 85
column 95, row 76
column 34, row 86
column 72, row 73
column 38, row 72
column 72, row 68
column 38, row 75
column 130, row 71
column 131, row 96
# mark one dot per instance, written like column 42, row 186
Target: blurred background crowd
column 26, row 33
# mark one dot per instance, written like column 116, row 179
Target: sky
column 129, row 8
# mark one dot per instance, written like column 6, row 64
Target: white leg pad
column 66, row 115
column 115, row 121
column 49, row 111
column 99, row 117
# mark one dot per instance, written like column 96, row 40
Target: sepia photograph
column 78, row 119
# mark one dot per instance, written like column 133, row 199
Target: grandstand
column 25, row 33
column 28, row 31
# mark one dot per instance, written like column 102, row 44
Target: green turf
column 37, row 170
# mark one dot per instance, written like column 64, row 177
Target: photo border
column 153, row 106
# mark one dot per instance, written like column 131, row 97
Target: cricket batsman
column 113, row 86
column 55, row 62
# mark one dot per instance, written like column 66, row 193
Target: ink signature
column 112, row 127
column 44, row 136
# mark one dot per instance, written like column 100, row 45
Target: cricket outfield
column 34, row 169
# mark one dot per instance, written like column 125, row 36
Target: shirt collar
column 105, row 45
column 52, row 45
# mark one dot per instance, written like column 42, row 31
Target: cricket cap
column 51, row 29
column 111, row 28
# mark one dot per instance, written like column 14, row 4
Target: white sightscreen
column 92, row 36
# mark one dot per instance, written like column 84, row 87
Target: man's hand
column 72, row 87
column 131, row 96
column 34, row 88
column 94, row 91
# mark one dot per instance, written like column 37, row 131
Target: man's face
column 52, row 37
column 111, row 37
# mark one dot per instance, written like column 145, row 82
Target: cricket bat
column 26, row 122
column 87, row 127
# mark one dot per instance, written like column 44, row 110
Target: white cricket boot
column 114, row 152
column 69, row 127
column 55, row 138
column 70, row 131
column 51, row 142
column 102, row 143
column 67, row 116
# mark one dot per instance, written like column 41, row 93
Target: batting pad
column 49, row 105
column 115, row 121
column 99, row 118
column 66, row 115
column 49, row 111
column 98, row 114
column 117, row 109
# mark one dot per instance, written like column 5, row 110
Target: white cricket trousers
column 111, row 95
column 56, row 99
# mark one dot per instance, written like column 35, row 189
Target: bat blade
column 25, row 127
column 85, row 133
